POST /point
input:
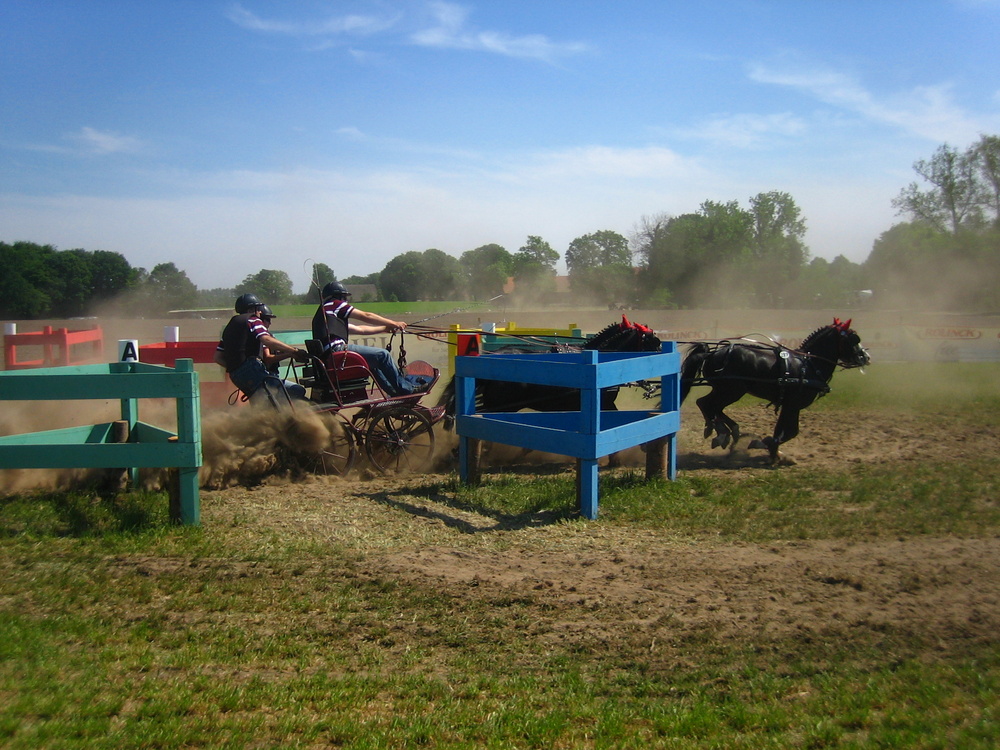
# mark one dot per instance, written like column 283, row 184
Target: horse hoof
column 708, row 431
column 757, row 445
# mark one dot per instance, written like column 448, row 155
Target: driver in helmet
column 246, row 344
column 336, row 319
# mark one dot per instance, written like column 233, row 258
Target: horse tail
column 447, row 400
column 691, row 368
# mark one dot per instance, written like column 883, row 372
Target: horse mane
column 811, row 338
column 620, row 336
column 837, row 325
column 603, row 338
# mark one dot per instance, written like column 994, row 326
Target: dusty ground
column 601, row 581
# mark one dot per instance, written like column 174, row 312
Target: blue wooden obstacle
column 586, row 435
column 95, row 446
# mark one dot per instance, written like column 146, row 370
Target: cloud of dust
column 243, row 446
column 239, row 446
column 958, row 285
column 36, row 416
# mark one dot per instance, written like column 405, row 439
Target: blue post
column 670, row 401
column 465, row 403
column 590, row 425
column 585, row 435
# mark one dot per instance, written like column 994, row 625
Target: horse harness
column 784, row 380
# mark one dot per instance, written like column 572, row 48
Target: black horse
column 504, row 396
column 790, row 380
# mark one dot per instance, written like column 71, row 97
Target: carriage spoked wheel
column 399, row 439
column 337, row 457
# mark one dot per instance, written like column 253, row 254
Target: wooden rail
column 113, row 445
column 587, row 434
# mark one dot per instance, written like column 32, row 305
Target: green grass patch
column 112, row 651
column 865, row 502
column 947, row 388
column 81, row 513
column 120, row 630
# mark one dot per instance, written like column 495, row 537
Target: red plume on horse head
column 842, row 325
column 626, row 323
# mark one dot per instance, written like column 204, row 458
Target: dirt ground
column 601, row 581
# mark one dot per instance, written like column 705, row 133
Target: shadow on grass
column 500, row 521
column 81, row 513
column 535, row 498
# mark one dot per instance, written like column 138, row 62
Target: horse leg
column 786, row 428
column 716, row 420
column 729, row 432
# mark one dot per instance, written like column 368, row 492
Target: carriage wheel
column 337, row 457
column 399, row 440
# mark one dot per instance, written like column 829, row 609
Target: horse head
column 644, row 338
column 850, row 353
column 625, row 336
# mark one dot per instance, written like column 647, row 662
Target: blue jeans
column 252, row 374
column 276, row 385
column 384, row 369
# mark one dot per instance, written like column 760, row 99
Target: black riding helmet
column 265, row 312
column 246, row 302
column 335, row 289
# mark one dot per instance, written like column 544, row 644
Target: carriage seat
column 347, row 372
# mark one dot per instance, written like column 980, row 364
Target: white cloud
column 926, row 111
column 89, row 142
column 336, row 25
column 219, row 226
column 102, row 142
column 747, row 130
column 351, row 133
column 652, row 162
column 450, row 32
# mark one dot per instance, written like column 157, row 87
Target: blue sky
column 227, row 137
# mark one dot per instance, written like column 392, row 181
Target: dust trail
column 239, row 446
column 19, row 417
column 243, row 446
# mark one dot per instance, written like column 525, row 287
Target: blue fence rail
column 586, row 435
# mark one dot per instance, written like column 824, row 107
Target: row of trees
column 40, row 281
column 946, row 255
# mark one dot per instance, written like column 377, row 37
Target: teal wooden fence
column 95, row 446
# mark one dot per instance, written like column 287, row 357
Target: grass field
column 290, row 619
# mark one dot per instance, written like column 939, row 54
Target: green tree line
column 944, row 255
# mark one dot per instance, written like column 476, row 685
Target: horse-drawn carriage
column 395, row 432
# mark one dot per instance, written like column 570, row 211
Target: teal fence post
column 189, row 432
column 130, row 414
